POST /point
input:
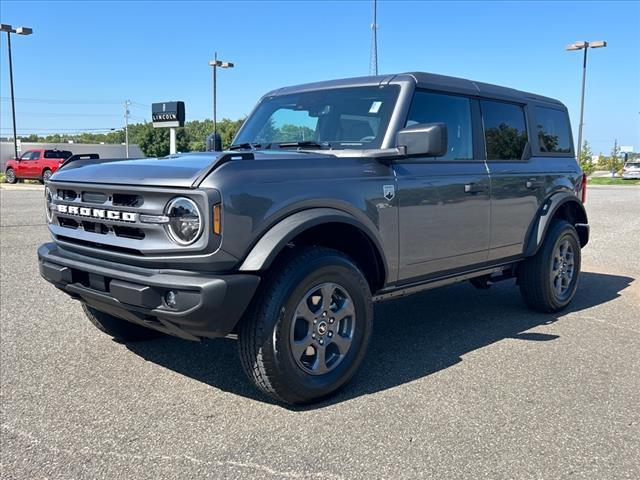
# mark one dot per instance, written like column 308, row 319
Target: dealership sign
column 167, row 114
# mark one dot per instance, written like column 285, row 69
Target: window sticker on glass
column 375, row 107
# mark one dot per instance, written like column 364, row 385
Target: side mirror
column 425, row 139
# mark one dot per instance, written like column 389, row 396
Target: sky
column 85, row 59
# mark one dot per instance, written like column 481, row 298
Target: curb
column 8, row 186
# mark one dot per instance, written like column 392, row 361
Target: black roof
column 427, row 81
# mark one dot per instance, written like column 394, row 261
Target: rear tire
column 10, row 176
column 117, row 328
column 308, row 329
column 46, row 174
column 548, row 280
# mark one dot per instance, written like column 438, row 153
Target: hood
column 172, row 171
column 182, row 170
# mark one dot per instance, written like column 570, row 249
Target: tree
column 585, row 159
column 614, row 163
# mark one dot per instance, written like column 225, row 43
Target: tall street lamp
column 584, row 46
column 215, row 63
column 20, row 31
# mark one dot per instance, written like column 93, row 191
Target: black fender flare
column 546, row 212
column 279, row 235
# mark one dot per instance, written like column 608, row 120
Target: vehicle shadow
column 413, row 337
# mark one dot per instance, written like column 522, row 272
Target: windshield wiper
column 244, row 146
column 306, row 143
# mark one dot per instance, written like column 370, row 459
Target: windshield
column 354, row 117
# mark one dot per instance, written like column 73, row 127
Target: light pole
column 126, row 126
column 215, row 63
column 583, row 46
column 20, row 31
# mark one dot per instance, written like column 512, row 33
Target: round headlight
column 48, row 198
column 185, row 221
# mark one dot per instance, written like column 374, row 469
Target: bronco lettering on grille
column 97, row 213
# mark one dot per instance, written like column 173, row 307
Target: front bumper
column 206, row 305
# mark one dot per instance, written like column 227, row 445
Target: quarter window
column 505, row 130
column 451, row 110
column 553, row 130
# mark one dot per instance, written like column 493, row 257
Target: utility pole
column 126, row 126
column 373, row 59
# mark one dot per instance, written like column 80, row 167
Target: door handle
column 475, row 188
column 533, row 184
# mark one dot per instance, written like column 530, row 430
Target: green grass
column 612, row 181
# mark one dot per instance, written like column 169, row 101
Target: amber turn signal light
column 217, row 226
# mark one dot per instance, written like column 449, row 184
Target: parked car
column 35, row 165
column 334, row 195
column 631, row 170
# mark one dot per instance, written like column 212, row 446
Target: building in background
column 104, row 150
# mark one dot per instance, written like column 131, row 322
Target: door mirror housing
column 425, row 139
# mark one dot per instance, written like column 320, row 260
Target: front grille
column 127, row 200
column 68, row 222
column 95, row 227
column 128, row 232
column 94, row 197
column 98, row 245
column 107, row 217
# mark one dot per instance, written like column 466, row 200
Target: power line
column 67, row 114
column 58, row 101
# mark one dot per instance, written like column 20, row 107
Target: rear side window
column 505, row 130
column 451, row 110
column 57, row 154
column 553, row 130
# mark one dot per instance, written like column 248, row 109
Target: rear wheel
column 46, row 174
column 117, row 328
column 10, row 176
column 548, row 280
column 308, row 329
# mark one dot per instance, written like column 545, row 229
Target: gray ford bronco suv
column 333, row 195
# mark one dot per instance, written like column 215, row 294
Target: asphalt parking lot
column 458, row 382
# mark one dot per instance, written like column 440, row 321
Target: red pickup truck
column 35, row 164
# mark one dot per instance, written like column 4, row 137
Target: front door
column 444, row 202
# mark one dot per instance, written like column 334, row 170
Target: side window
column 451, row 110
column 505, row 130
column 27, row 155
column 35, row 155
column 553, row 130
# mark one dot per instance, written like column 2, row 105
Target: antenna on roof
column 373, row 60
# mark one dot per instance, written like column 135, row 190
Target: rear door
column 444, row 202
column 517, row 179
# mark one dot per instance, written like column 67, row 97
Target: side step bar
column 404, row 290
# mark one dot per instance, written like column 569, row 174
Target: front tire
column 117, row 328
column 10, row 176
column 308, row 329
column 548, row 280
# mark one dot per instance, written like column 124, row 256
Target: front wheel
column 548, row 280
column 308, row 329
column 10, row 176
